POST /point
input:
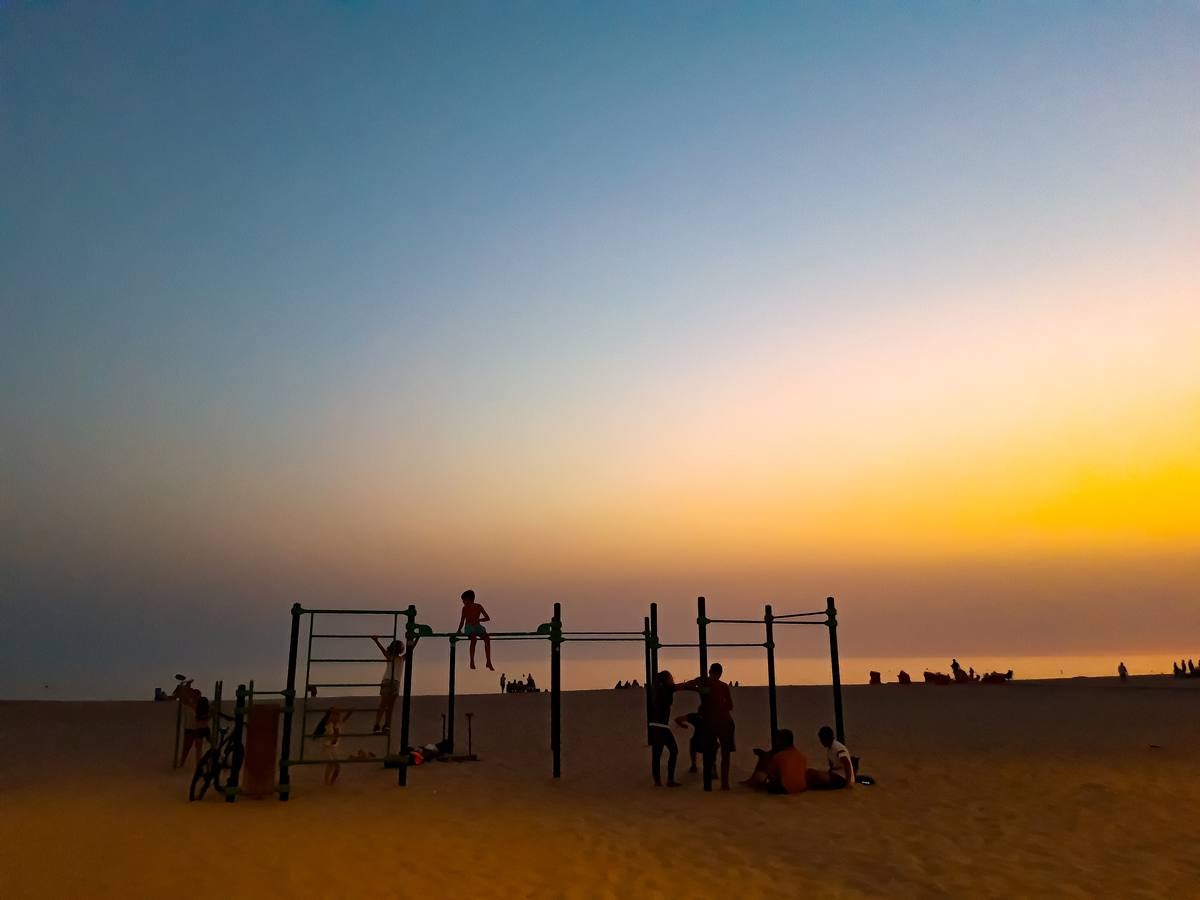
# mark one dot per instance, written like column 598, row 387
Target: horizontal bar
column 256, row 692
column 823, row 624
column 368, row 636
column 492, row 634
column 739, row 645
column 639, row 639
column 375, row 660
column 356, row 612
column 819, row 612
column 639, row 633
column 318, row 684
column 738, row 621
column 680, row 645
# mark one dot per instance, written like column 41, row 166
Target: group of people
column 782, row 769
column 959, row 676
column 625, row 685
column 523, row 685
column 1185, row 668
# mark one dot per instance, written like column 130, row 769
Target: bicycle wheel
column 231, row 759
column 203, row 776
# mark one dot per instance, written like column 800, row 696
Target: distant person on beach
column 781, row 770
column 662, row 694
column 839, row 771
column 471, row 624
column 716, row 712
column 394, row 655
column 502, row 680
column 330, row 728
column 1122, row 672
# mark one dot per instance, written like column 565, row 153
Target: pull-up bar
column 552, row 632
column 768, row 621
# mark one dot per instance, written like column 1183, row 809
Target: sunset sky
column 364, row 303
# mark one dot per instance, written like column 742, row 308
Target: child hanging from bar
column 330, row 728
column 471, row 622
column 394, row 655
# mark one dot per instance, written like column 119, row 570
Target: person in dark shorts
column 716, row 712
column 662, row 693
column 696, row 742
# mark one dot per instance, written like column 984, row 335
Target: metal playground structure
column 551, row 631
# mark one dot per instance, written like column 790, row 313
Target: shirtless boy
column 471, row 624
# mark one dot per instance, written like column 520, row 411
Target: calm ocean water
column 585, row 667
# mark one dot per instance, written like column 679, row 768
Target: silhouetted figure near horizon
column 904, row 678
column 1122, row 672
column 716, row 711
column 1175, row 672
column 874, row 678
column 502, row 680
column 662, row 694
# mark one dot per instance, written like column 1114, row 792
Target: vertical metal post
column 450, row 694
column 289, row 703
column 831, row 621
column 410, row 629
column 650, row 676
column 175, row 761
column 239, row 721
column 556, row 689
column 769, row 622
column 312, row 618
column 391, row 670
column 652, row 637
column 709, row 745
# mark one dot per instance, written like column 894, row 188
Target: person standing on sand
column 1122, row 672
column 471, row 622
column 662, row 692
column 716, row 712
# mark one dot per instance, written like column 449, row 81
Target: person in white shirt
column 840, row 766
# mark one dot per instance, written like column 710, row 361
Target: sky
column 361, row 304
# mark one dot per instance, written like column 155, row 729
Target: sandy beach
column 1077, row 789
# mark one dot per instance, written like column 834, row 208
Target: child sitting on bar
column 471, row 622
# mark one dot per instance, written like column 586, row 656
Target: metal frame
column 768, row 621
column 551, row 631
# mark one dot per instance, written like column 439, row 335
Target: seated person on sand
column 839, row 772
column 471, row 622
column 782, row 769
column 903, row 678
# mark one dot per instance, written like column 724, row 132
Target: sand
column 1032, row 789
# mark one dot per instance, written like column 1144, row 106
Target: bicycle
column 217, row 764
